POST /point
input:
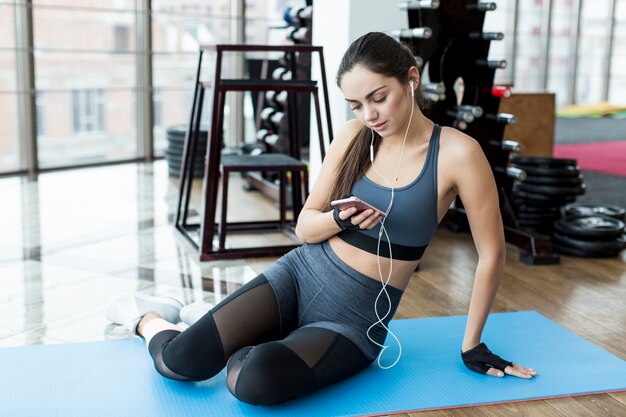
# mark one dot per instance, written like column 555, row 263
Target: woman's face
column 379, row 102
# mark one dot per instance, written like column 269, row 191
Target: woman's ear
column 414, row 75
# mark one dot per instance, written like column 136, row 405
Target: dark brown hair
column 383, row 55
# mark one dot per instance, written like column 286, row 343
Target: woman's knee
column 193, row 355
column 268, row 374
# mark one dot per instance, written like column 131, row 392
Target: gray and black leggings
column 264, row 367
column 271, row 335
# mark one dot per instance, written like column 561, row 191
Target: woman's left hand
column 480, row 359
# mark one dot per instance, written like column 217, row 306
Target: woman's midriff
column 366, row 263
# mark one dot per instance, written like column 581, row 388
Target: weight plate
column 551, row 190
column 538, row 216
column 174, row 153
column 181, row 130
column 538, row 161
column 180, row 140
column 525, row 222
column 591, row 209
column 529, row 208
column 592, row 246
column 534, row 197
column 566, row 250
column 554, row 181
column 564, row 171
column 590, row 227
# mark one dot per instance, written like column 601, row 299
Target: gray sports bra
column 412, row 220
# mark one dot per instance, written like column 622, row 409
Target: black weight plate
column 538, row 216
column 554, row 200
column 176, row 130
column 565, row 171
column 529, row 208
column 591, row 209
column 179, row 156
column 181, row 130
column 551, row 190
column 531, row 222
column 554, row 181
column 590, row 227
column 180, row 140
column 592, row 246
column 179, row 146
column 566, row 250
column 169, row 154
column 540, row 161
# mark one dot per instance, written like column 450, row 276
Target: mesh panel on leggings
column 308, row 359
column 248, row 316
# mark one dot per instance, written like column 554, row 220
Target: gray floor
column 601, row 188
column 588, row 129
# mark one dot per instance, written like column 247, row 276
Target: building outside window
column 88, row 110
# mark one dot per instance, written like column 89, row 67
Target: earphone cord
column 385, row 282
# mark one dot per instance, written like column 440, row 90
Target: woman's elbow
column 495, row 255
column 498, row 255
column 302, row 234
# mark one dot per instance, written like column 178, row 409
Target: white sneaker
column 191, row 313
column 128, row 309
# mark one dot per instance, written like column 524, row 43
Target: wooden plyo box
column 534, row 130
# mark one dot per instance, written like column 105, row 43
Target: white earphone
column 382, row 231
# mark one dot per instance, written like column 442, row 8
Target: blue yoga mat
column 116, row 378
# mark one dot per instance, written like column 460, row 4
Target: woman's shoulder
column 455, row 144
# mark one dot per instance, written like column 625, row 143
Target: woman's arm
column 477, row 189
column 315, row 225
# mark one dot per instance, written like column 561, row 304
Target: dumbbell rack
column 448, row 35
column 201, row 236
column 280, row 116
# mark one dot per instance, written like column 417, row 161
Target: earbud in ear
column 412, row 88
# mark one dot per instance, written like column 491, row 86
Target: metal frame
column 143, row 83
column 27, row 120
column 576, row 22
column 513, row 65
column 237, row 61
column 609, row 52
column 546, row 23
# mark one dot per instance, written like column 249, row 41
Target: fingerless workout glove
column 344, row 224
column 480, row 359
column 347, row 223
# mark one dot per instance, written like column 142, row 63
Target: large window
column 596, row 17
column 178, row 29
column 562, row 37
column 85, row 65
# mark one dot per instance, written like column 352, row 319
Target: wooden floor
column 74, row 239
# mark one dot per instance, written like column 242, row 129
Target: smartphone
column 353, row 201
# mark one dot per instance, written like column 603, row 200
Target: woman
column 310, row 320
